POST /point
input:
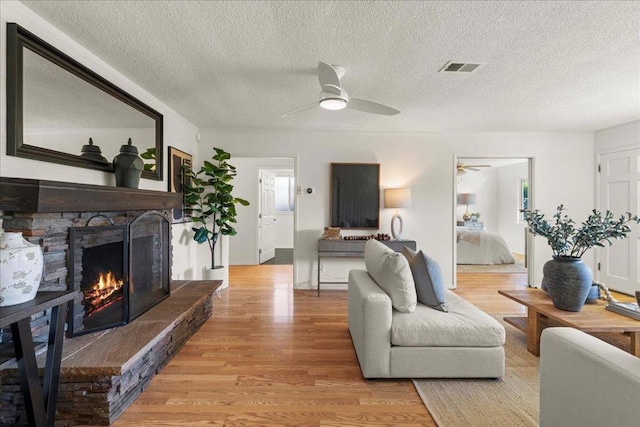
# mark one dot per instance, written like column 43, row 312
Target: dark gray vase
column 568, row 282
column 128, row 166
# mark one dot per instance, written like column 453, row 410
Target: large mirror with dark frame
column 355, row 195
column 55, row 105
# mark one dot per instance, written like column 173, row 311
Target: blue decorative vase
column 568, row 281
column 594, row 294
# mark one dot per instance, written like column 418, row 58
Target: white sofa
column 427, row 343
column 586, row 382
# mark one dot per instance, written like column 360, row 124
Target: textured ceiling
column 556, row 66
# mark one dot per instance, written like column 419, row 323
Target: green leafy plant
column 209, row 201
column 150, row 154
column 566, row 239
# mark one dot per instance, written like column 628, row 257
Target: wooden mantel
column 34, row 195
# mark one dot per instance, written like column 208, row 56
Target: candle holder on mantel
column 128, row 166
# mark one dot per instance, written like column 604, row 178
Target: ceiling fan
column 334, row 97
column 463, row 169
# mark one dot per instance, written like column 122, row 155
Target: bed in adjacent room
column 482, row 248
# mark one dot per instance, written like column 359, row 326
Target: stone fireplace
column 48, row 212
column 121, row 271
column 96, row 237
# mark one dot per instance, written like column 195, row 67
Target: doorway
column 490, row 235
column 618, row 190
column 252, row 246
column 277, row 191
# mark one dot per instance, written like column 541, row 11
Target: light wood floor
column 272, row 356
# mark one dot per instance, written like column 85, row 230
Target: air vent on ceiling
column 460, row 67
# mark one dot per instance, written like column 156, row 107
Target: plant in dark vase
column 565, row 277
column 211, row 205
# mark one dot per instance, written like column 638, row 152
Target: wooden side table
column 40, row 399
column 353, row 249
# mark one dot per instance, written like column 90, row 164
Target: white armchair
column 586, row 382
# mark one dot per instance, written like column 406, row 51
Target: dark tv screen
column 355, row 195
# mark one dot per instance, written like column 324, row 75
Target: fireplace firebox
column 121, row 271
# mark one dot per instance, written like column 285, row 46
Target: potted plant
column 209, row 202
column 565, row 277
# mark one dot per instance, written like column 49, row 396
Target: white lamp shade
column 467, row 199
column 397, row 198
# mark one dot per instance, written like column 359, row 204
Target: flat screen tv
column 355, row 195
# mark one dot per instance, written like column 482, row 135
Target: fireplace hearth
column 121, row 271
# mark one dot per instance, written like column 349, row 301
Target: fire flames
column 106, row 291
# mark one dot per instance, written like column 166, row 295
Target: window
column 285, row 193
column 523, row 198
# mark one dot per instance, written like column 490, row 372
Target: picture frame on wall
column 355, row 195
column 178, row 159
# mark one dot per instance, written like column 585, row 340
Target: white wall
column 178, row 132
column 564, row 172
column 509, row 181
column 484, row 184
column 243, row 247
column 284, row 230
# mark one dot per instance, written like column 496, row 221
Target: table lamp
column 467, row 199
column 397, row 198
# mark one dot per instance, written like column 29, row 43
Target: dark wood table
column 592, row 318
column 40, row 399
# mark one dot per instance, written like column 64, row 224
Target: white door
column 619, row 190
column 267, row 217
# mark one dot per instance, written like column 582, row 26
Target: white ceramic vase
column 20, row 269
column 218, row 273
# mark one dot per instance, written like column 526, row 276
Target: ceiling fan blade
column 469, row 168
column 299, row 109
column 332, row 89
column 480, row 166
column 371, row 107
column 327, row 75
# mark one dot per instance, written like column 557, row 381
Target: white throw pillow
column 391, row 272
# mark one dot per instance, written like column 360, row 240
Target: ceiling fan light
column 333, row 103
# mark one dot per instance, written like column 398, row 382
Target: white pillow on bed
column 391, row 272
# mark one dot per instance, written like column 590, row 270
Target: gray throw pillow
column 427, row 276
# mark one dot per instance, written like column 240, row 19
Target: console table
column 40, row 400
column 353, row 249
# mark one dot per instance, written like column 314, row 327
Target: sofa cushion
column 464, row 325
column 429, row 281
column 391, row 272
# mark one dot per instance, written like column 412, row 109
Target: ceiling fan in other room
column 463, row 169
column 334, row 97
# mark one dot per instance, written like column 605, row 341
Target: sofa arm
column 586, row 382
column 370, row 324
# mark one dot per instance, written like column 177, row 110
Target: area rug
column 510, row 401
column 499, row 268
